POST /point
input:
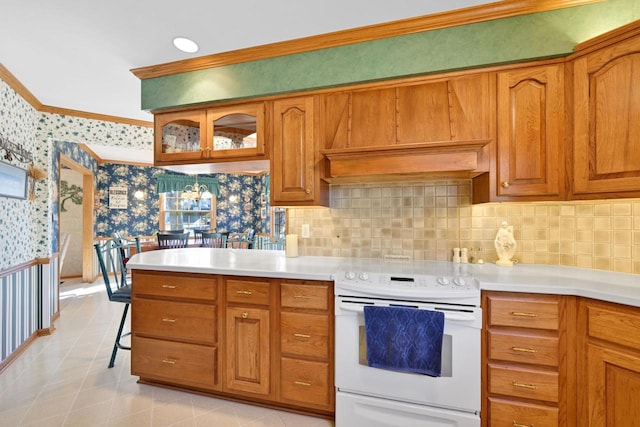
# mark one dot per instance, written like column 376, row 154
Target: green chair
column 113, row 255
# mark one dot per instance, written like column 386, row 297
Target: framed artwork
column 14, row 181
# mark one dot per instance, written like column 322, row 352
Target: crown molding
column 21, row 90
column 470, row 15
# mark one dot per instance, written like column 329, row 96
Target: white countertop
column 552, row 279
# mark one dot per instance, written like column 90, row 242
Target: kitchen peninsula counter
column 608, row 286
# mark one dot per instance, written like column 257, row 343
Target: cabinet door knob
column 245, row 315
column 505, row 184
column 307, row 191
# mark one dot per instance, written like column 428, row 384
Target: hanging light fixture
column 196, row 191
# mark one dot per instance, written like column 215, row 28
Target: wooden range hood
column 432, row 160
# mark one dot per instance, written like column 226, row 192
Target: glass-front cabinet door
column 236, row 131
column 205, row 135
column 179, row 136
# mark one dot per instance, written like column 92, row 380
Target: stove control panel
column 420, row 281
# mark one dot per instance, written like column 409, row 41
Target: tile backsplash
column 426, row 220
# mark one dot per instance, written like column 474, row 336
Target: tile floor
column 63, row 380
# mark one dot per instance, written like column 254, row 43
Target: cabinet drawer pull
column 169, row 361
column 169, row 286
column 300, row 297
column 241, row 292
column 524, row 350
column 168, row 320
column 304, row 383
column 245, row 314
column 516, row 424
column 522, row 385
column 523, row 314
column 302, row 335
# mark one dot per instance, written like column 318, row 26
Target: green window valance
column 168, row 183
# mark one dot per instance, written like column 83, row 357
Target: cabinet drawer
column 305, row 382
column 504, row 413
column 620, row 325
column 523, row 348
column 302, row 295
column 173, row 285
column 527, row 383
column 176, row 320
column 248, row 292
column 178, row 363
column 539, row 313
column 304, row 334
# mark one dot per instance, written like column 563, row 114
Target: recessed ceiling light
column 185, row 44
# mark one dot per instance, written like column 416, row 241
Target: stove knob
column 442, row 281
column 350, row 275
column 459, row 281
column 363, row 276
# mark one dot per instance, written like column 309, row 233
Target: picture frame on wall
column 14, row 181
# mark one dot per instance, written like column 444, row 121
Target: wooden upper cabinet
column 208, row 135
column 606, row 134
column 236, row 131
column 295, row 166
column 179, row 136
column 449, row 109
column 530, row 133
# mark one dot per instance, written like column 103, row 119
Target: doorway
column 85, row 240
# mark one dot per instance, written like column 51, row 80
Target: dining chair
column 269, row 243
column 214, row 240
column 173, row 240
column 112, row 255
column 198, row 232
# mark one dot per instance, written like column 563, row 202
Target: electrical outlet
column 510, row 228
column 305, row 231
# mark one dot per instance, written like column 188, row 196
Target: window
column 188, row 214
column 279, row 221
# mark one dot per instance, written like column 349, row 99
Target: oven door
column 458, row 387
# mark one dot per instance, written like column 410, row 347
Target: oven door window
column 446, row 369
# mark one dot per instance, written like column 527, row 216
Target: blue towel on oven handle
column 404, row 339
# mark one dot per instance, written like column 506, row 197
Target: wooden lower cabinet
column 306, row 344
column 610, row 383
column 528, row 360
column 174, row 362
column 505, row 413
column 247, row 350
column 267, row 341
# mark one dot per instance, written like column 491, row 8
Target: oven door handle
column 448, row 315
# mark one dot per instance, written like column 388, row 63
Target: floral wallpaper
column 141, row 217
column 61, row 134
column 19, row 231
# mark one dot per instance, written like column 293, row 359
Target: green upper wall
column 517, row 39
